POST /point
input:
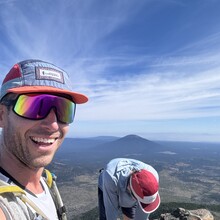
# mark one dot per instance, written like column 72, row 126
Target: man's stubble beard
column 17, row 148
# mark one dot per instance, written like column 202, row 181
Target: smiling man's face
column 31, row 142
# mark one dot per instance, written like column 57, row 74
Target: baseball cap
column 144, row 186
column 31, row 76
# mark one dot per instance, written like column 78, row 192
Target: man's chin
column 38, row 164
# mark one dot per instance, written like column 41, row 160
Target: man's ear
column 3, row 111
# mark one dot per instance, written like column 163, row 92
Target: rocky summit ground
column 183, row 214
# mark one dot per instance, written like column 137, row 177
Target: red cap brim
column 149, row 208
column 77, row 97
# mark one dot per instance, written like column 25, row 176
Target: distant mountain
column 128, row 146
column 135, row 142
column 96, row 152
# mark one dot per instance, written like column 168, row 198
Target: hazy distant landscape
column 189, row 172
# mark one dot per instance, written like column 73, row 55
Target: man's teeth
column 43, row 140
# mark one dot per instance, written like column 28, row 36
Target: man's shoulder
column 13, row 207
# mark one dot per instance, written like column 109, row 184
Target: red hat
column 145, row 185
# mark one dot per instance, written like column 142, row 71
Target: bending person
column 130, row 186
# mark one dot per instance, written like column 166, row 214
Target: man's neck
column 27, row 177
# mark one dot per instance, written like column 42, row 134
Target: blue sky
column 149, row 67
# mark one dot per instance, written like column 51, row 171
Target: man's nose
column 51, row 119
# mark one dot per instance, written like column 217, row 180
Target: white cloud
column 156, row 95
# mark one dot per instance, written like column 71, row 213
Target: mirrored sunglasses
column 37, row 106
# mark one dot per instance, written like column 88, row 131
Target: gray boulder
column 183, row 214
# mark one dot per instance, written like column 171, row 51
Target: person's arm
column 2, row 215
column 140, row 215
column 110, row 196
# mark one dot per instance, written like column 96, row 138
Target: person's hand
column 126, row 218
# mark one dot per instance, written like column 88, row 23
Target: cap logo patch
column 49, row 74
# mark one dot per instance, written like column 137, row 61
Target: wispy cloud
column 176, row 88
column 65, row 32
column 156, row 96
